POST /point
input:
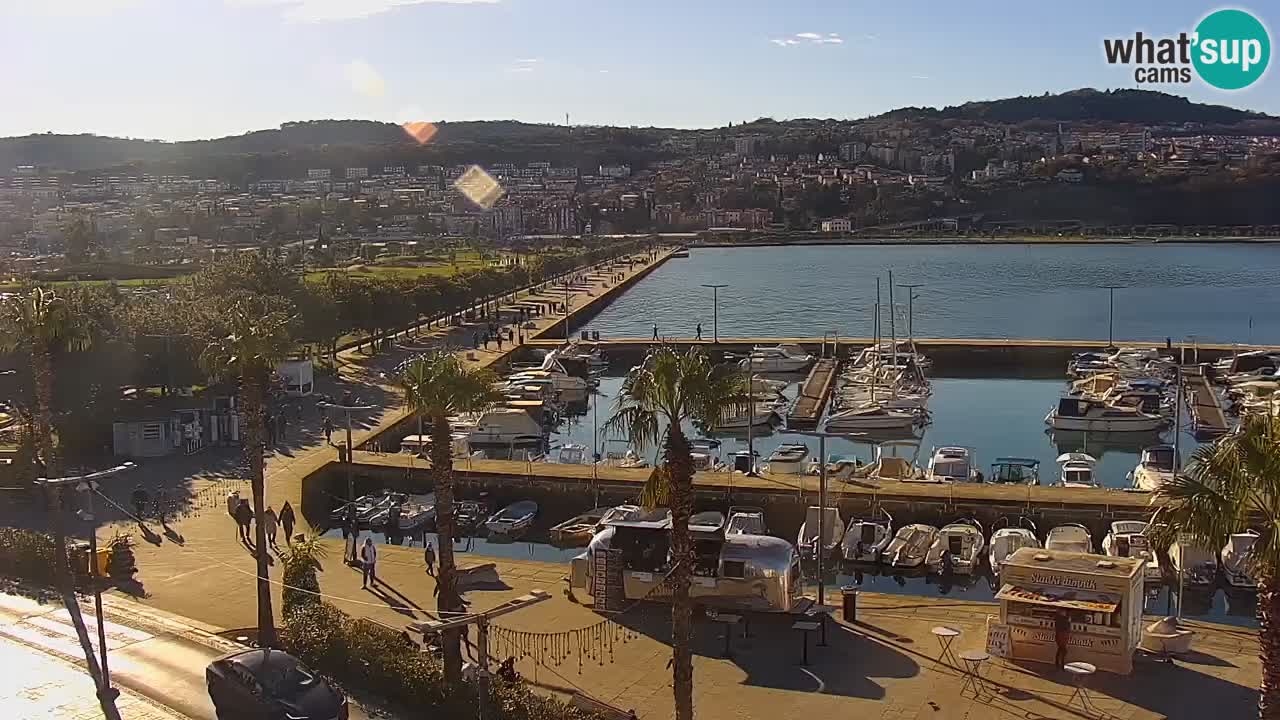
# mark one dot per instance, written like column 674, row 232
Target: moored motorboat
column 745, row 520
column 963, row 542
column 870, row 417
column 867, row 537
column 1155, row 468
column 832, row 532
column 579, row 529
column 1072, row 537
column 777, row 358
column 512, row 520
column 951, row 464
column 1128, row 538
column 1197, row 565
column 1236, row 559
column 1077, row 470
column 1094, row 415
column 1005, row 541
column 913, row 546
column 1015, row 471
column 789, row 459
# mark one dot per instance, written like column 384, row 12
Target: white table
column 1080, row 671
column 973, row 660
column 946, row 635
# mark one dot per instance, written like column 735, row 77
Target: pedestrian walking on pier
column 269, row 521
column 140, row 502
column 244, row 517
column 655, row 331
column 327, row 425
column 369, row 560
column 287, row 521
column 429, row 557
column 699, row 331
column 499, row 337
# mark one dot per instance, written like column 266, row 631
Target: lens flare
column 479, row 187
column 420, row 131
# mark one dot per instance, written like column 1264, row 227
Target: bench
column 477, row 576
column 605, row 710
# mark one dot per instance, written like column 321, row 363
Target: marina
column 813, row 396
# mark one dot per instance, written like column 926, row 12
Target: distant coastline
column 775, row 241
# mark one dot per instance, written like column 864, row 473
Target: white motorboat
column 1071, row 537
column 870, row 417
column 1197, row 565
column 628, row 459
column 512, row 520
column 1077, row 470
column 1155, row 468
column 890, row 465
column 963, row 541
column 951, row 464
column 1235, row 557
column 420, row 445
column 1128, row 538
column 1093, row 415
column 572, row 454
column 761, row 385
column 745, row 520
column 505, row 426
column 913, row 546
column 740, row 417
column 777, row 359
column 563, row 382
column 789, row 459
column 1006, row 541
column 866, row 538
column 839, row 467
column 832, row 532
column 634, row 513
column 1015, row 471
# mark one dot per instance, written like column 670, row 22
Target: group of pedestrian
column 240, row 510
column 143, row 502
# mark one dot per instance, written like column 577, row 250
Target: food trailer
column 1101, row 595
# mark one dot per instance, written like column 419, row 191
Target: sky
column 186, row 69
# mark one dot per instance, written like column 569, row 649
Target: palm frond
column 656, row 492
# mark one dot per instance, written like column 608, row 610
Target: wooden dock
column 1208, row 419
column 813, row 395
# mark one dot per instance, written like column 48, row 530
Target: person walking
column 140, row 498
column 327, row 425
column 1062, row 637
column 233, row 502
column 269, row 522
column 699, row 331
column 162, row 506
column 655, row 331
column 244, row 517
column 429, row 557
column 369, row 561
column 284, row 425
column 287, row 521
column 499, row 338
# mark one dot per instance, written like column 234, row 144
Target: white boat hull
column 1138, row 423
column 775, row 365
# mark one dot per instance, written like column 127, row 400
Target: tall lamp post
column 911, row 313
column 1111, row 313
column 88, row 484
column 822, row 495
column 348, row 409
column 715, row 309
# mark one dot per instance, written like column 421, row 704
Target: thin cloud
column 332, row 10
column 528, row 61
column 870, row 36
column 365, row 79
column 68, row 8
column 524, row 65
column 919, row 77
column 808, row 38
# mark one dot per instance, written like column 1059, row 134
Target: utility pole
column 348, row 409
column 715, row 309
column 1111, row 313
column 911, row 313
column 88, row 484
column 481, row 621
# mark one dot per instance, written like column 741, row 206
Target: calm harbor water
column 1219, row 293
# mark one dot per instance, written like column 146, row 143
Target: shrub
column 376, row 659
column 27, row 555
column 301, row 585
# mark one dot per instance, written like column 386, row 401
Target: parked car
column 265, row 684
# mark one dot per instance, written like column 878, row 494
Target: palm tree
column 1229, row 486
column 302, row 560
column 252, row 338
column 439, row 386
column 669, row 389
column 38, row 323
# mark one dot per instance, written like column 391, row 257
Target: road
column 156, row 660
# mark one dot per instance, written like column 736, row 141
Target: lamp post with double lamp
column 715, row 309
column 1111, row 313
column 88, row 484
column 822, row 495
column 348, row 409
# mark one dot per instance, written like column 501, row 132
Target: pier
column 1207, row 416
column 813, row 395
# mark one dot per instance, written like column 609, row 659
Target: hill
column 1087, row 104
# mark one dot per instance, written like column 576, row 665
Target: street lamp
column 348, row 409
column 911, row 313
column 1111, row 313
column 715, row 309
column 822, row 493
column 88, row 484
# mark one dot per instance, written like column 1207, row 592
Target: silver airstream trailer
column 739, row 572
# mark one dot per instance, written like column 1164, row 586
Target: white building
column 837, row 225
column 319, row 174
column 615, row 171
column 357, row 173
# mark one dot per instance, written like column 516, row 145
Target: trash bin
column 104, row 560
column 849, row 594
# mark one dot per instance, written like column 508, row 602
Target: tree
column 78, row 236
column 656, row 399
column 301, row 565
column 439, row 386
column 38, row 323
column 1230, row 486
column 247, row 336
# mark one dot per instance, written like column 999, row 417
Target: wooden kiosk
column 1101, row 595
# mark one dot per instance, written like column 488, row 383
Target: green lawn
column 133, row 282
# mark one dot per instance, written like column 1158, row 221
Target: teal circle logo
column 1232, row 49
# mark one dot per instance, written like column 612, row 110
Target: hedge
column 27, row 555
column 376, row 659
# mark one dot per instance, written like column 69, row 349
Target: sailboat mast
column 893, row 337
column 875, row 345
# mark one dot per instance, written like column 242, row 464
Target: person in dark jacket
column 287, row 521
column 244, row 518
column 1061, row 636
